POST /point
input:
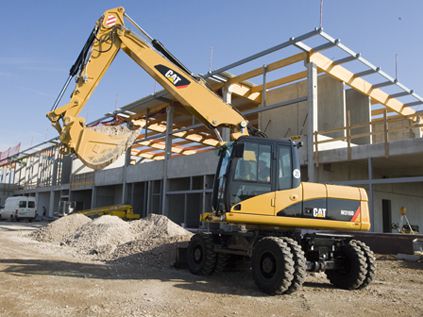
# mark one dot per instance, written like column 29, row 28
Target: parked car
column 19, row 207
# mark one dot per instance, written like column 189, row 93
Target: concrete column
column 124, row 176
column 93, row 197
column 203, row 202
column 168, row 154
column 359, row 107
column 37, row 196
column 331, row 100
column 312, row 119
column 227, row 97
column 51, row 204
column 149, row 189
column 371, row 196
column 55, row 167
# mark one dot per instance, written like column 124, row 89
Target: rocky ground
column 57, row 279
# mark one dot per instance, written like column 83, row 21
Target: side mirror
column 238, row 150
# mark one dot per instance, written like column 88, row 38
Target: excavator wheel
column 272, row 264
column 371, row 263
column 201, row 258
column 222, row 262
column 300, row 267
column 352, row 275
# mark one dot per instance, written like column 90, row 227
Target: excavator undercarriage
column 280, row 259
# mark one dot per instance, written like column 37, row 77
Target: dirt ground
column 40, row 279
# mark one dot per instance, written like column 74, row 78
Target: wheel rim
column 198, row 254
column 268, row 265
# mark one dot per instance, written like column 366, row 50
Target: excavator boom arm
column 98, row 149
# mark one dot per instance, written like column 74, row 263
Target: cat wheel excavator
column 261, row 210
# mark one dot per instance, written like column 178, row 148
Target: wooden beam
column 380, row 111
column 281, row 81
column 271, row 67
column 177, row 147
column 188, row 135
column 359, row 84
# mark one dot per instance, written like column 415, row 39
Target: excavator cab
column 252, row 166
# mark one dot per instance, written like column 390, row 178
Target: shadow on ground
column 235, row 282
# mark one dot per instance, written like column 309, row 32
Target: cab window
column 254, row 166
column 252, row 173
column 284, row 167
column 22, row 204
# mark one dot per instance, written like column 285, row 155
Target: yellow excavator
column 261, row 210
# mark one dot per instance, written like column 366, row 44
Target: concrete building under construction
column 359, row 126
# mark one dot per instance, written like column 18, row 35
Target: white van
column 19, row 207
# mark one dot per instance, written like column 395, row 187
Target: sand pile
column 61, row 229
column 152, row 240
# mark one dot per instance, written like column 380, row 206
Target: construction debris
column 152, row 240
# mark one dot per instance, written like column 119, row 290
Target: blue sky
column 41, row 39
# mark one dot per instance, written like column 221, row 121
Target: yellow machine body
column 277, row 209
column 322, row 217
column 122, row 211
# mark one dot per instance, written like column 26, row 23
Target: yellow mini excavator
column 260, row 207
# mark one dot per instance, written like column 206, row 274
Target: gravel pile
column 101, row 236
column 61, row 229
column 157, row 239
column 149, row 241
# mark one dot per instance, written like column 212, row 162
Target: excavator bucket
column 101, row 145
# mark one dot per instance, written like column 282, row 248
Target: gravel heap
column 156, row 242
column 61, row 229
column 101, row 236
column 150, row 241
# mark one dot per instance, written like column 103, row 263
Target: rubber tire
column 277, row 251
column 354, row 272
column 221, row 262
column 300, row 265
column 201, row 242
column 371, row 263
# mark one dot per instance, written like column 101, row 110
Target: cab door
column 251, row 187
column 288, row 193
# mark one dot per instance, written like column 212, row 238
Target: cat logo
column 174, row 77
column 319, row 212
